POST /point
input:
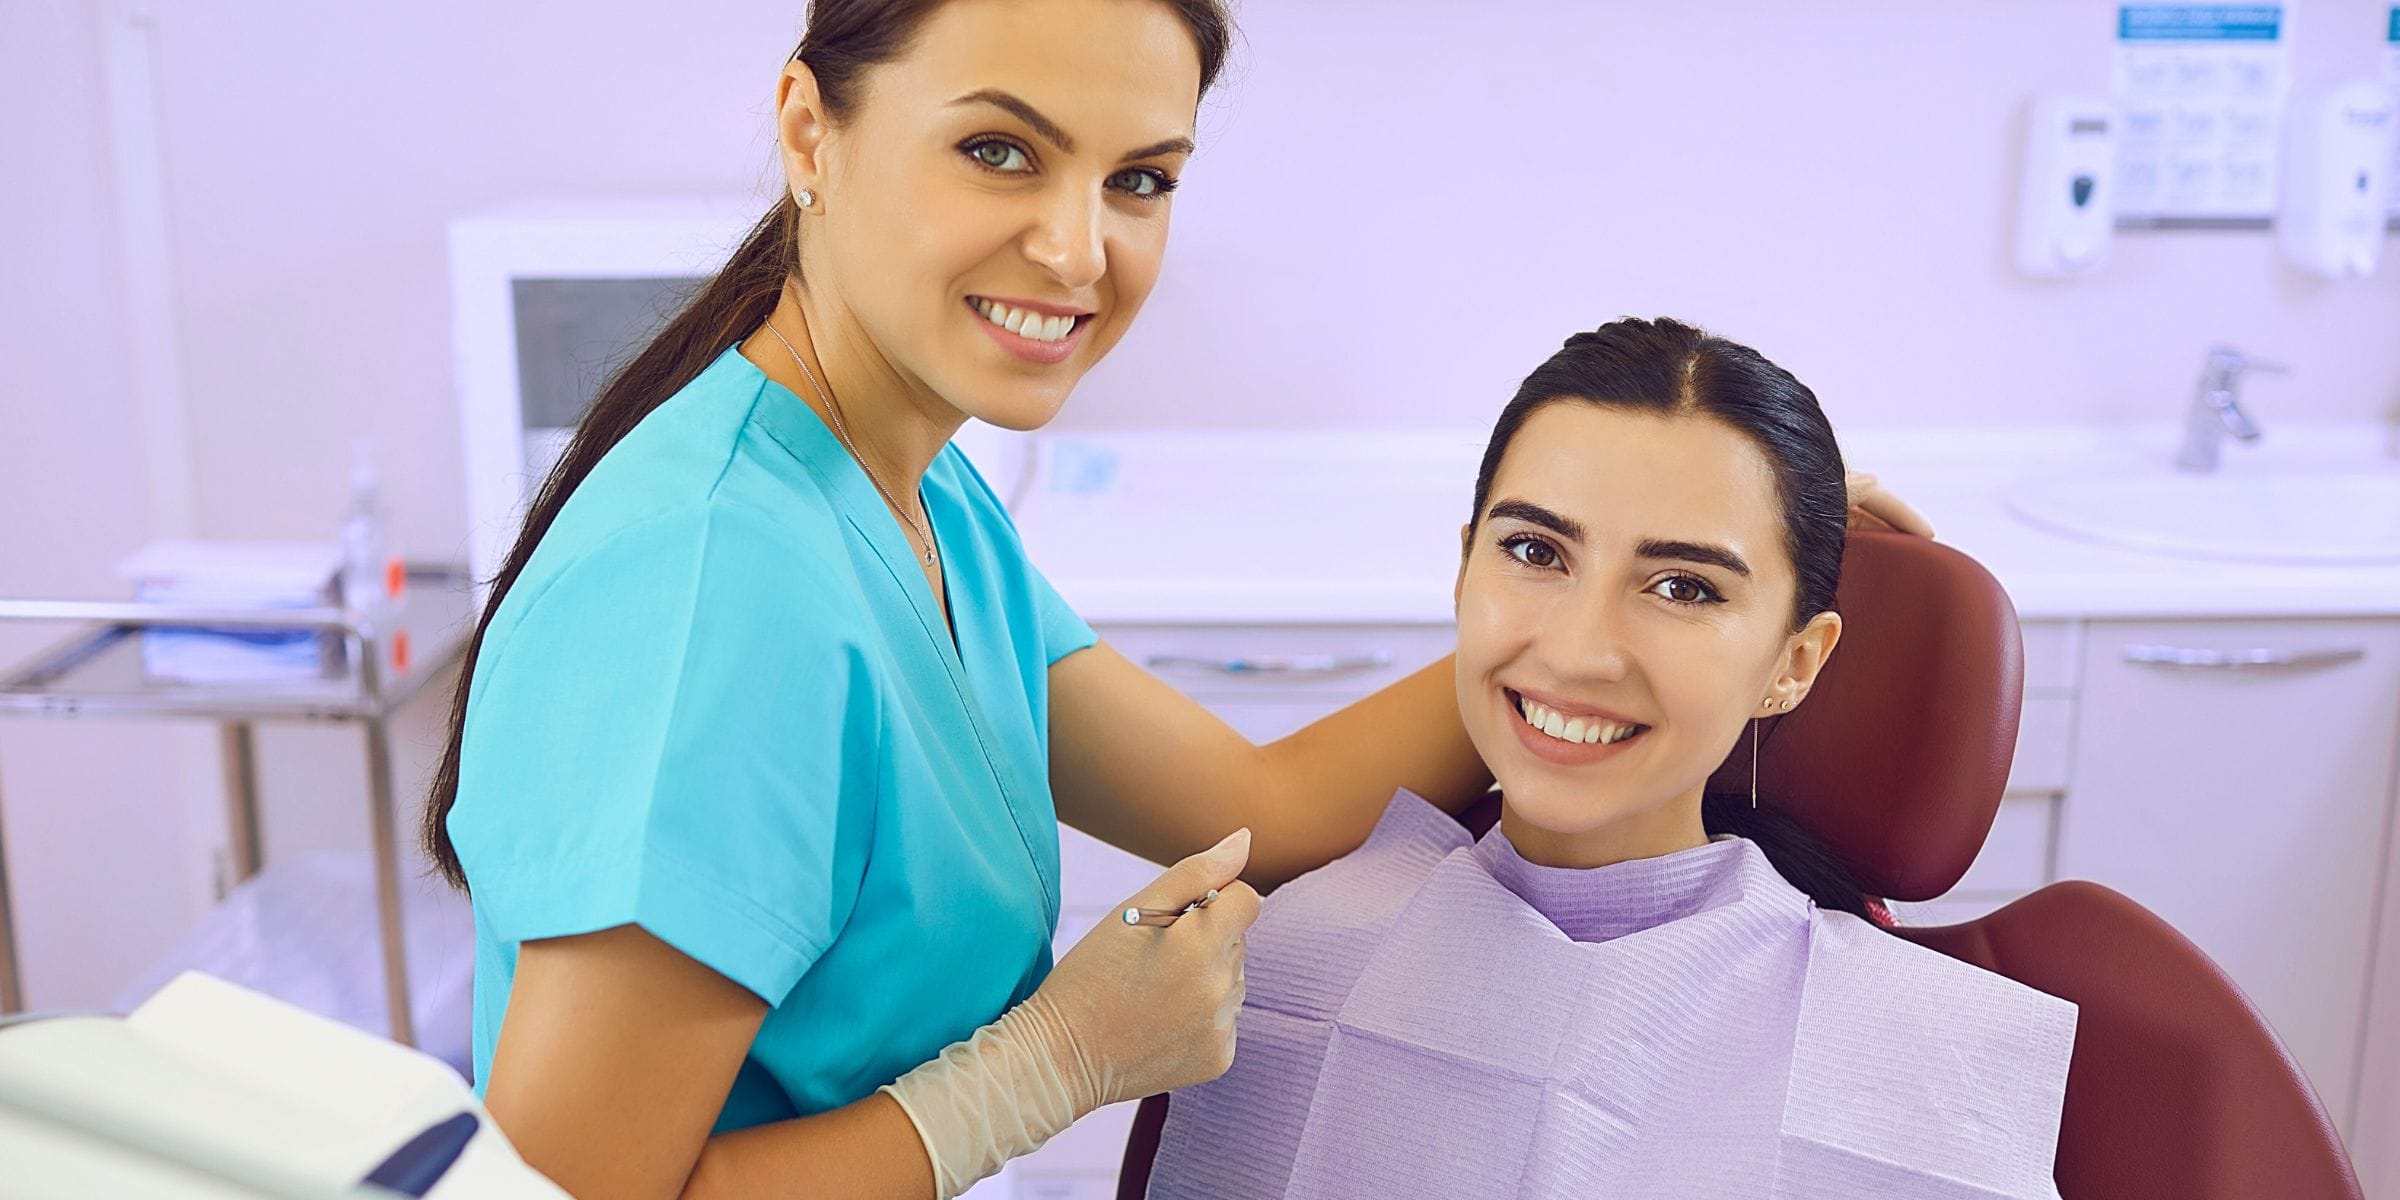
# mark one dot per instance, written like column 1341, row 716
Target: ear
column 1466, row 546
column 1804, row 655
column 800, row 127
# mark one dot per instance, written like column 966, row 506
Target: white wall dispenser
column 2066, row 206
column 2336, row 170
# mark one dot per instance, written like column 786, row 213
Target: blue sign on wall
column 2204, row 22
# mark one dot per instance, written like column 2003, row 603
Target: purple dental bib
column 1435, row 1017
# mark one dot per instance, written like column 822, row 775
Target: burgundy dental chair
column 2177, row 1090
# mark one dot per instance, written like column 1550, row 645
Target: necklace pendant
column 929, row 558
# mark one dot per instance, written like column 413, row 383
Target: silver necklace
column 841, row 430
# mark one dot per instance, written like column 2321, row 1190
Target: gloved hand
column 1130, row 1011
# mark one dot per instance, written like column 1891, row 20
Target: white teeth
column 1025, row 323
column 1580, row 730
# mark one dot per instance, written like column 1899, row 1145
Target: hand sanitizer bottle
column 374, row 581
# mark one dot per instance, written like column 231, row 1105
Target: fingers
column 1895, row 512
column 1219, row 867
column 1871, row 506
column 1235, row 907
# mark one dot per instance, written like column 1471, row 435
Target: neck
column 1653, row 833
column 895, row 426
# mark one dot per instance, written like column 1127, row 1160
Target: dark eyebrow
column 1173, row 145
column 1535, row 514
column 1024, row 112
column 1715, row 556
column 1058, row 137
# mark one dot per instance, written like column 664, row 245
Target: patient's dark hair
column 1672, row 369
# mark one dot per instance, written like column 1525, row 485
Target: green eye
column 998, row 156
column 1138, row 183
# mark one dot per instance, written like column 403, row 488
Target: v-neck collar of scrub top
column 797, row 428
column 963, row 645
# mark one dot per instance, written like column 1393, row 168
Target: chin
column 1019, row 414
column 1553, row 811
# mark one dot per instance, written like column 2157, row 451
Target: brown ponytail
column 844, row 38
column 733, row 304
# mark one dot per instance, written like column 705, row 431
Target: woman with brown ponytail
column 755, row 770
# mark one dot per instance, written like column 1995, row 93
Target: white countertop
column 1346, row 527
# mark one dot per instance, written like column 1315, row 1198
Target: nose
column 1068, row 237
column 1582, row 638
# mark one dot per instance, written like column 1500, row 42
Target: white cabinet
column 2249, row 807
column 2375, row 1127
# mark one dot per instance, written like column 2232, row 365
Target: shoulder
column 1908, row 992
column 1407, row 844
column 644, row 600
column 1967, row 1070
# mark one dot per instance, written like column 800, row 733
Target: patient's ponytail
column 1801, row 859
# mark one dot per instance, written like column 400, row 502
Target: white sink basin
column 2345, row 515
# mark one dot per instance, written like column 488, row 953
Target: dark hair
column 844, row 38
column 1672, row 369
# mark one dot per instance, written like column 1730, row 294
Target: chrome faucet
column 2216, row 410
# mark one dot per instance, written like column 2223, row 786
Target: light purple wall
column 100, row 817
column 1402, row 205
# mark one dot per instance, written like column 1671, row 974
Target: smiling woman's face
column 1012, row 167
column 1627, row 586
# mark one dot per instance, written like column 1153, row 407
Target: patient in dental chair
column 1629, row 987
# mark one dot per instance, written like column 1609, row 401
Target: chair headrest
column 1898, row 757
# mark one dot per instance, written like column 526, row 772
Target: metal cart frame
column 95, row 672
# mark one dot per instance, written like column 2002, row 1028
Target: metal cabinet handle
column 2237, row 660
column 1297, row 664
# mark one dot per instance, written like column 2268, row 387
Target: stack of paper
column 262, row 575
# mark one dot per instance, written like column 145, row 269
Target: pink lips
column 1025, row 348
column 1565, row 754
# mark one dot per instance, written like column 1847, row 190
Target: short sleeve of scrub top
column 721, row 703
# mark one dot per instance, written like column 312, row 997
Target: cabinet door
column 2375, row 1127
column 2247, row 806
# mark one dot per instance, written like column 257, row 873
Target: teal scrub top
column 721, row 703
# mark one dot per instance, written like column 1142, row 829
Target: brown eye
column 1530, row 550
column 1684, row 589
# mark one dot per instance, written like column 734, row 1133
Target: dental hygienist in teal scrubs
column 756, row 772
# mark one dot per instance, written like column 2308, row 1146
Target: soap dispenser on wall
column 2066, row 208
column 2335, row 173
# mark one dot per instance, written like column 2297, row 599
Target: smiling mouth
column 1583, row 731
column 1025, row 323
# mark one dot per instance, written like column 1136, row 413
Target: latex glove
column 1871, row 507
column 1130, row 1011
